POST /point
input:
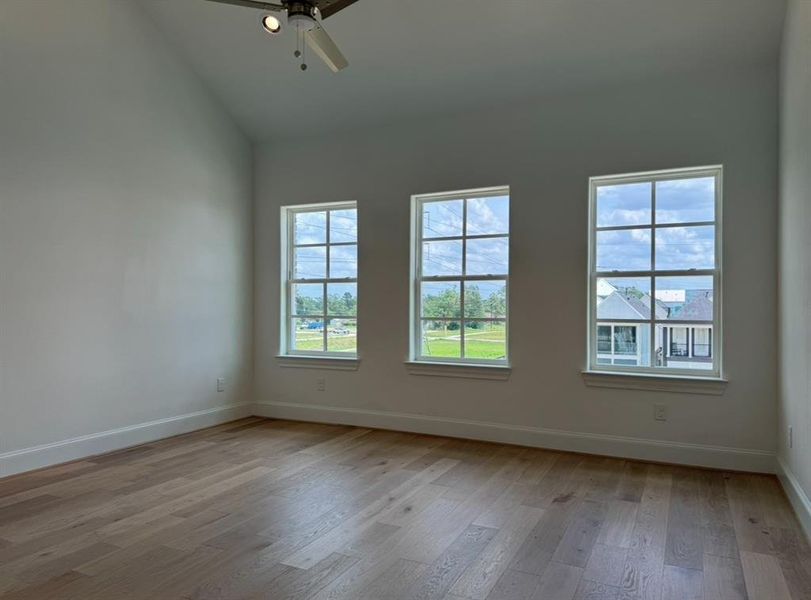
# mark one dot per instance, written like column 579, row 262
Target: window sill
column 711, row 386
column 331, row 363
column 464, row 371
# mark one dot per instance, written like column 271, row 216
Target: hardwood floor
column 282, row 510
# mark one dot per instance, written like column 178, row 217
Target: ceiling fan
column 305, row 16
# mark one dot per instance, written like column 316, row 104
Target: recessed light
column 271, row 24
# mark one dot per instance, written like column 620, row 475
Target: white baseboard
column 36, row 457
column 26, row 459
column 718, row 457
column 796, row 495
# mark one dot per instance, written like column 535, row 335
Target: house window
column 655, row 272
column 618, row 344
column 625, row 339
column 605, row 337
column 702, row 342
column 460, row 276
column 678, row 341
column 320, row 280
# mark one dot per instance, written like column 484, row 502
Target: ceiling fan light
column 271, row 24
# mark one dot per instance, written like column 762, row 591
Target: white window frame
column 415, row 321
column 716, row 372
column 288, row 280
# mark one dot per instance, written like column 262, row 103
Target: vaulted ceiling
column 417, row 57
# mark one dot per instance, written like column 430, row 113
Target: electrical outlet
column 790, row 436
column 321, row 384
column 220, row 384
column 660, row 412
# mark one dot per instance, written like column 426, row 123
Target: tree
column 474, row 305
column 351, row 304
column 497, row 303
column 443, row 305
column 307, row 305
column 345, row 305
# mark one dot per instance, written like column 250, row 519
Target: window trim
column 287, row 223
column 715, row 171
column 415, row 319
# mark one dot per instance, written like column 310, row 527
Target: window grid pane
column 321, row 307
column 462, row 273
column 307, row 335
column 674, row 247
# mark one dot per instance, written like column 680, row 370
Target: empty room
column 405, row 299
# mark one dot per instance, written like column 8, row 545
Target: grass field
column 312, row 339
column 488, row 343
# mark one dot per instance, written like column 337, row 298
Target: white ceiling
column 414, row 57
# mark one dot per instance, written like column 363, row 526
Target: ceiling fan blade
column 319, row 40
column 328, row 9
column 252, row 4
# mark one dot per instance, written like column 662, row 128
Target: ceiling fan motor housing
column 301, row 14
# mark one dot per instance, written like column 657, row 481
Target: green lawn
column 488, row 343
column 313, row 339
column 343, row 343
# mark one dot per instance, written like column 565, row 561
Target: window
column 655, row 272
column 617, row 344
column 702, row 342
column 320, row 280
column 460, row 275
column 678, row 341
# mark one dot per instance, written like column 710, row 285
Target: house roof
column 624, row 305
column 699, row 308
column 662, row 311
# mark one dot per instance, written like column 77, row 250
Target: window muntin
column 460, row 275
column 655, row 269
column 320, row 280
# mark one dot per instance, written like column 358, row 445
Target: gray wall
column 125, row 232
column 795, row 243
column 545, row 150
column 126, row 283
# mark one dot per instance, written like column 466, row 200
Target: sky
column 485, row 216
column 485, row 256
column 677, row 201
column 311, row 228
column 643, row 284
column 677, row 248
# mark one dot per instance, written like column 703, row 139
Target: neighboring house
column 691, row 343
column 672, row 299
column 604, row 289
column 623, row 340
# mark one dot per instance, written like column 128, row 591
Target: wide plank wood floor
column 282, row 510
